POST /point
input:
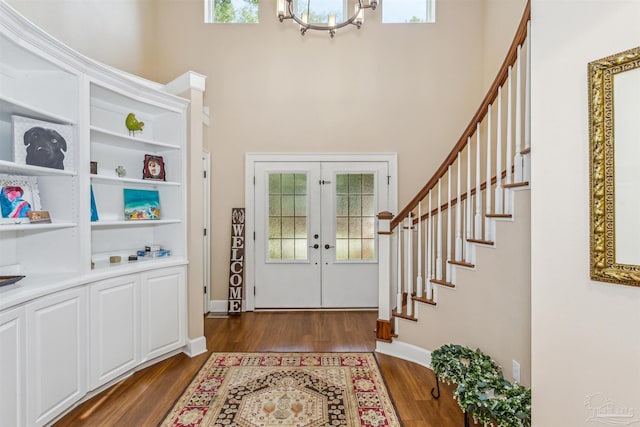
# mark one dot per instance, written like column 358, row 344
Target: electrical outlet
column 516, row 371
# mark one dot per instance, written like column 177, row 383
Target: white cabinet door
column 114, row 329
column 12, row 369
column 163, row 311
column 56, row 354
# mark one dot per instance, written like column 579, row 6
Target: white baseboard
column 195, row 347
column 405, row 351
column 221, row 305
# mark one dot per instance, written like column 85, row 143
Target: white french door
column 315, row 233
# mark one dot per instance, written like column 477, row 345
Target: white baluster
column 429, row 258
column 434, row 289
column 488, row 232
column 509, row 159
column 458, row 245
column 439, row 234
column 517, row 160
column 526, row 165
column 478, row 217
column 409, row 261
column 449, row 225
column 419, row 257
column 467, row 220
column 399, row 262
column 498, row 196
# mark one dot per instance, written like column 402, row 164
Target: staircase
column 455, row 262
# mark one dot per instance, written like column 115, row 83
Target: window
column 408, row 11
column 318, row 12
column 287, row 216
column 355, row 217
column 231, row 11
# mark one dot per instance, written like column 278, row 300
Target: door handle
column 316, row 246
column 328, row 246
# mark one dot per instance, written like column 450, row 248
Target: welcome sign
column 236, row 264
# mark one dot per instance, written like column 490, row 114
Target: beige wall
column 490, row 305
column 501, row 18
column 410, row 89
column 116, row 32
column 585, row 337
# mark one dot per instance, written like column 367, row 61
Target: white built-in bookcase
column 69, row 329
column 39, row 82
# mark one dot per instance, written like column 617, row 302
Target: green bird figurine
column 133, row 124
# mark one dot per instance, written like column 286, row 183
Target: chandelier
column 287, row 12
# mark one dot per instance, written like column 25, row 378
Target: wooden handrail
column 492, row 94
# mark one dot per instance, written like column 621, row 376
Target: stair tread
column 462, row 263
column 516, row 184
column 497, row 215
column 404, row 316
column 424, row 300
column 482, row 242
column 443, row 283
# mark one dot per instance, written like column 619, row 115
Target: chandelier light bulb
column 285, row 10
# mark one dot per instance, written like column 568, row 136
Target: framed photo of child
column 19, row 195
column 153, row 168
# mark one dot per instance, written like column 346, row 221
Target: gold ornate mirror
column 614, row 133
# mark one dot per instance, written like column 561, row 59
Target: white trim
column 195, row 347
column 249, row 197
column 188, row 80
column 206, row 198
column 405, row 351
column 221, row 305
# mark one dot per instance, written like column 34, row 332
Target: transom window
column 408, row 11
column 231, row 11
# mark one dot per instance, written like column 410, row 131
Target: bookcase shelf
column 104, row 179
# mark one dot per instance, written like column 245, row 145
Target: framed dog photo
column 153, row 167
column 40, row 143
column 19, row 195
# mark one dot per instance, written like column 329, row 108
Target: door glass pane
column 288, row 225
column 355, row 212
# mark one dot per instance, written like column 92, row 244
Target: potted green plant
column 481, row 388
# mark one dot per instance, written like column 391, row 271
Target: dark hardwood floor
column 144, row 398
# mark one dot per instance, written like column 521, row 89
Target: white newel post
column 384, row 328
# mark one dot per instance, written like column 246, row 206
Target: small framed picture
column 153, row 167
column 40, row 143
column 39, row 217
column 19, row 195
column 141, row 204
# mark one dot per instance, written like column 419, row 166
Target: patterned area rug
column 285, row 389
